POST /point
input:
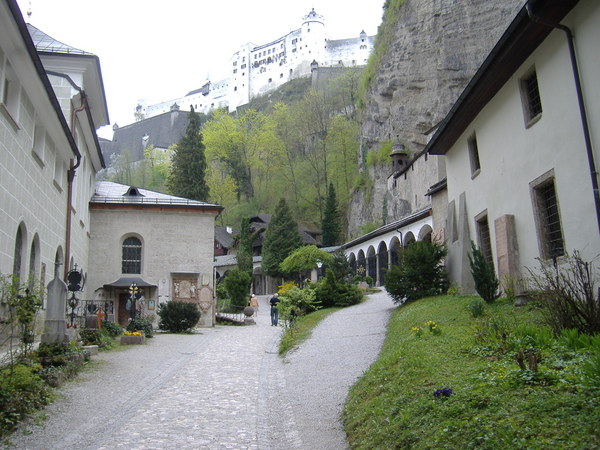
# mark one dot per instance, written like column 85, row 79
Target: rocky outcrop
column 437, row 47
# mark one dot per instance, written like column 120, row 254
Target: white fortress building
column 259, row 69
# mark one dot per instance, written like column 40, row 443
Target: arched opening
column 34, row 260
column 394, row 248
column 372, row 263
column 425, row 233
column 361, row 264
column 382, row 263
column 18, row 257
column 352, row 262
column 409, row 239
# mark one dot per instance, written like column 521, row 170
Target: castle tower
column 314, row 37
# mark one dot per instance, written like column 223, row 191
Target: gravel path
column 225, row 387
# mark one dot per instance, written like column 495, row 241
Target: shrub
column 178, row 317
column 22, row 391
column 95, row 337
column 477, row 308
column 141, row 324
column 419, row 273
column 333, row 293
column 111, row 328
column 340, row 266
column 297, row 302
column 486, row 282
column 221, row 291
column 568, row 295
column 237, row 284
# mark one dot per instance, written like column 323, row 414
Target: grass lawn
column 493, row 402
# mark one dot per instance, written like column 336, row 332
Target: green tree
column 238, row 284
column 304, row 258
column 419, row 273
column 281, row 239
column 188, row 170
column 331, row 220
column 244, row 251
column 486, row 282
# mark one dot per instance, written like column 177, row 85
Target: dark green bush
column 111, row 328
column 142, row 325
column 486, row 281
column 419, row 273
column 22, row 391
column 178, row 317
column 331, row 292
column 237, row 284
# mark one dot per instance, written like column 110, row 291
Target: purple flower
column 446, row 392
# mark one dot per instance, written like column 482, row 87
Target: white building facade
column 51, row 102
column 520, row 165
column 259, row 69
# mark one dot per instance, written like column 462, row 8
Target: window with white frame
column 39, row 142
column 10, row 96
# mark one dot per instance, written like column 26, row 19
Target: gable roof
column 517, row 43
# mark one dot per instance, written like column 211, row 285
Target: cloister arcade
column 374, row 253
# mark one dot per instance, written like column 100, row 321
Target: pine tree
column 331, row 225
column 244, row 253
column 188, row 168
column 281, row 239
column 486, row 282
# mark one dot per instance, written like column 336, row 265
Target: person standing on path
column 274, row 309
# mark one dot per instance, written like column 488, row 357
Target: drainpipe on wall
column 73, row 166
column 582, row 109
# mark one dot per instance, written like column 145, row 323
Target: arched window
column 132, row 256
column 33, row 261
column 18, row 256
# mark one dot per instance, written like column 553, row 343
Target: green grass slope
column 494, row 403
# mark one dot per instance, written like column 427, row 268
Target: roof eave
column 517, row 43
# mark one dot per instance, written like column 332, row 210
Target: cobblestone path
column 225, row 387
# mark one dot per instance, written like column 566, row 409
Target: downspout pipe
column 73, row 166
column 580, row 100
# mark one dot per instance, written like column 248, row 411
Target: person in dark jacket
column 274, row 310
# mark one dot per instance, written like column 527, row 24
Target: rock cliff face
column 437, row 47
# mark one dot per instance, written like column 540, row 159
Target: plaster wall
column 173, row 242
column 33, row 177
column 513, row 155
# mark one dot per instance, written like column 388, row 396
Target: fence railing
column 231, row 313
column 101, row 309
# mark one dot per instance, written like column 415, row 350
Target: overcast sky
column 160, row 50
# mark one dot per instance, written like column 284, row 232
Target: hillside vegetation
column 292, row 143
column 445, row 379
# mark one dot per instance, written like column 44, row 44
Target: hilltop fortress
column 259, row 69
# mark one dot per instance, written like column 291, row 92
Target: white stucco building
column 51, row 102
column 521, row 145
column 259, row 69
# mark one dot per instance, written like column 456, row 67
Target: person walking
column 274, row 310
